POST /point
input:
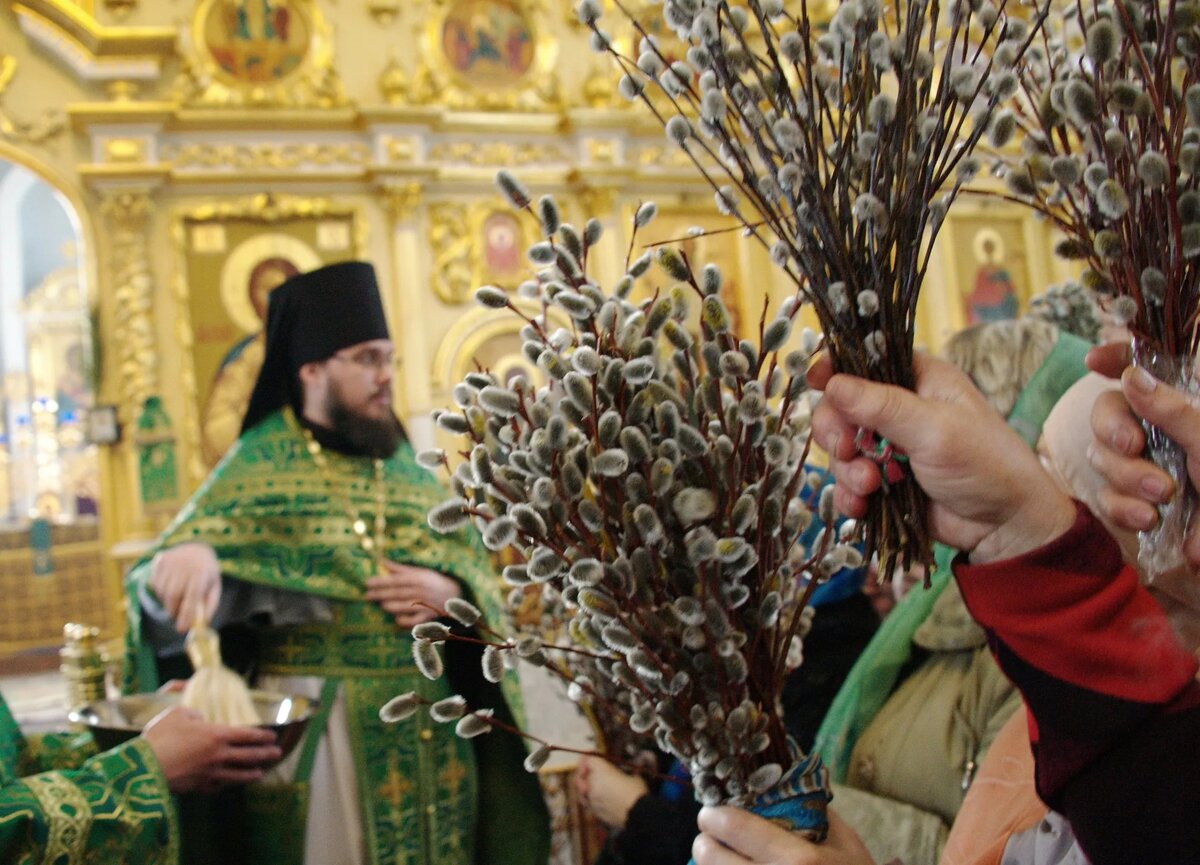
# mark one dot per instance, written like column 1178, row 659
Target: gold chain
column 373, row 545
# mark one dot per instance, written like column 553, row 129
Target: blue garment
column 847, row 581
column 677, row 785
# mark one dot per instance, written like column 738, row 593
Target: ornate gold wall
column 212, row 148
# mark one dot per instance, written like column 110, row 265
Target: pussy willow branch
column 630, row 68
column 1151, row 213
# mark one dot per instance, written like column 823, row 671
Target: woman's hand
column 989, row 494
column 1134, row 486
column 731, row 836
column 608, row 792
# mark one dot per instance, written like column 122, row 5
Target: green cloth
column 873, row 677
column 1062, row 368
column 62, row 802
column 275, row 519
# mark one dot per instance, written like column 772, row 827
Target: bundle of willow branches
column 654, row 488
column 840, row 150
column 1111, row 156
column 1110, row 108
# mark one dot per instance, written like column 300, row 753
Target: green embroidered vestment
column 274, row 519
column 62, row 802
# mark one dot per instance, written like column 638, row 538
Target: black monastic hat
column 310, row 318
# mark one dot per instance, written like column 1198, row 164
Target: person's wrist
column 1044, row 519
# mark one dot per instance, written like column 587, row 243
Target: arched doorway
column 51, row 565
column 48, row 468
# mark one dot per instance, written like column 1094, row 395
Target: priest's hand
column 185, row 579
column 402, row 589
column 731, row 836
column 989, row 494
column 197, row 756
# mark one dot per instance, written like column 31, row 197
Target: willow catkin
column 214, row 690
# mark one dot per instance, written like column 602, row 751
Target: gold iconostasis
column 189, row 158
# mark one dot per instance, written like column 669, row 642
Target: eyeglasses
column 372, row 360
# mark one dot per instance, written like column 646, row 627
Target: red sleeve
column 1074, row 610
column 1111, row 692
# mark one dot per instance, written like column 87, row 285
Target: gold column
column 130, row 352
column 402, row 201
column 127, row 213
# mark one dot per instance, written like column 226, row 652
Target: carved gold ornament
column 476, row 244
column 661, row 156
column 120, row 9
column 393, row 83
column 599, row 201
column 399, row 149
column 600, row 90
column 267, row 156
column 383, row 11
column 273, row 208
column 260, row 53
column 497, row 153
column 125, row 150
column 400, row 200
column 38, row 131
column 602, row 151
column 122, row 91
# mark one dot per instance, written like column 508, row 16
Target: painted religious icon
column 488, row 42
column 257, row 41
column 993, row 295
column 221, row 418
column 502, row 245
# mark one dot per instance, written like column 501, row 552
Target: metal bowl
column 112, row 722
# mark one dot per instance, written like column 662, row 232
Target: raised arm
column 1115, row 719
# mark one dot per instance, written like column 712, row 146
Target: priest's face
column 360, row 379
column 357, row 399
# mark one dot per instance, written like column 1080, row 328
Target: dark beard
column 374, row 438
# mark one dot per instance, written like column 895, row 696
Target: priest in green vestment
column 310, row 538
column 62, row 802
